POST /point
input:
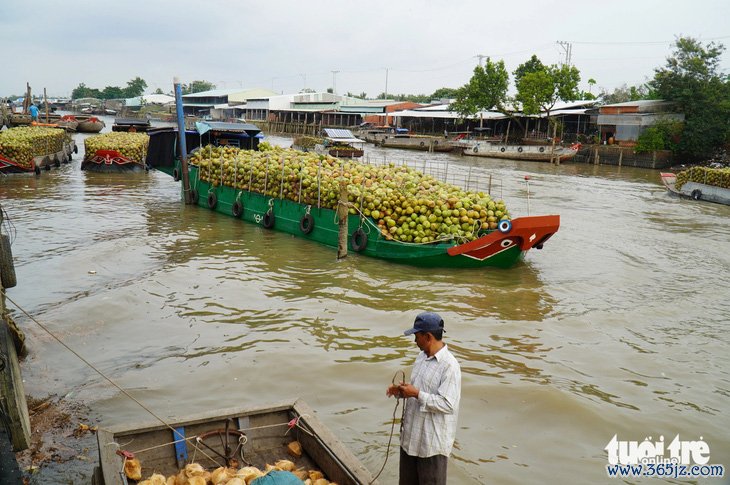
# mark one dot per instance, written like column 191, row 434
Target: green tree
column 444, row 93
column 663, row 135
column 197, row 87
column 693, row 80
column 486, row 90
column 83, row 91
column 135, row 87
column 112, row 92
column 534, row 64
column 159, row 91
column 624, row 93
column 540, row 90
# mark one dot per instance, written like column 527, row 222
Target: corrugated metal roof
column 450, row 115
column 558, row 112
column 213, row 93
column 640, row 102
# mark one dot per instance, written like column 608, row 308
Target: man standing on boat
column 33, row 112
column 432, row 405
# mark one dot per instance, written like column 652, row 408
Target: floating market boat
column 92, row 124
column 340, row 143
column 416, row 142
column 131, row 125
column 115, row 152
column 67, row 122
column 32, row 148
column 503, row 246
column 697, row 190
column 237, row 437
column 536, row 153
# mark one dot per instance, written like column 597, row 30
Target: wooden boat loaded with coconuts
column 227, row 447
column 395, row 213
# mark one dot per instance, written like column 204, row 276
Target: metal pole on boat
column 181, row 142
column 342, row 216
column 527, row 182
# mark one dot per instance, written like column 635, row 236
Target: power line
column 656, row 42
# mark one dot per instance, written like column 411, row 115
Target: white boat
column 695, row 190
column 537, row 153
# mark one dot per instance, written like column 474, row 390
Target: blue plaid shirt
column 429, row 423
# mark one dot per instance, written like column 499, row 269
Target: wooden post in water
column 552, row 146
column 12, row 390
column 45, row 100
column 342, row 213
column 181, row 142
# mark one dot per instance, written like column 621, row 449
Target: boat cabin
column 163, row 148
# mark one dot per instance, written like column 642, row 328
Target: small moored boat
column 253, row 436
column 535, row 153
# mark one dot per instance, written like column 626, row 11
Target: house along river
column 619, row 326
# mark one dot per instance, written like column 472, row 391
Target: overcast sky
column 414, row 46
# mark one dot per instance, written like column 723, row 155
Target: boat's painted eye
column 506, row 243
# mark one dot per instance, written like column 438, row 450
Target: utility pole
column 334, row 82
column 480, row 56
column 568, row 48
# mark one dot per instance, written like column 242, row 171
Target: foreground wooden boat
column 536, row 153
column 695, row 190
column 501, row 248
column 267, row 431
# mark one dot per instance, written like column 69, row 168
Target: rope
column 93, row 367
column 392, row 426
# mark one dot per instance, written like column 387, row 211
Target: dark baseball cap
column 426, row 322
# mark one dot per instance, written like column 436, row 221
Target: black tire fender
column 7, row 268
column 175, row 174
column 37, row 170
column 519, row 149
column 194, row 196
column 502, row 149
column 475, row 149
column 306, row 223
column 212, row 200
column 422, row 144
column 542, row 149
column 358, row 240
column 696, row 194
column 268, row 220
column 237, row 208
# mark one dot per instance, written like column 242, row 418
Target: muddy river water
column 619, row 326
